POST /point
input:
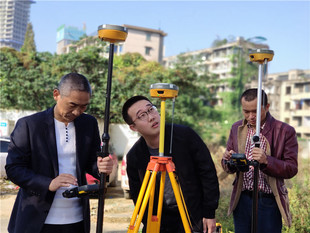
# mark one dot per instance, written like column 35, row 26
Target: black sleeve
column 207, row 173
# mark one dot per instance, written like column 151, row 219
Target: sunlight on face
column 249, row 111
column 70, row 107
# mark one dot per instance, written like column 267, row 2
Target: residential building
column 148, row 42
column 14, row 17
column 67, row 35
column 289, row 98
column 217, row 62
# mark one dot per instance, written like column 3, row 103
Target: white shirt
column 65, row 210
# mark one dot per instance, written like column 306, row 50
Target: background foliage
column 28, row 79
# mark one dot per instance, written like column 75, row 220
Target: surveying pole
column 262, row 56
column 157, row 164
column 112, row 34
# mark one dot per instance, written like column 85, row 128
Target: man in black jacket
column 194, row 167
column 51, row 151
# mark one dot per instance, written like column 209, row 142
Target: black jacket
column 32, row 163
column 194, row 168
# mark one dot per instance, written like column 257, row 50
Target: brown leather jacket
column 282, row 148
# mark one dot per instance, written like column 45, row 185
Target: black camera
column 82, row 191
column 240, row 162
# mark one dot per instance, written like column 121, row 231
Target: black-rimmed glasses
column 143, row 116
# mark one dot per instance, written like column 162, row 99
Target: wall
column 120, row 136
column 10, row 117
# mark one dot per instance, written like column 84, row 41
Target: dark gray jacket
column 195, row 171
column 32, row 163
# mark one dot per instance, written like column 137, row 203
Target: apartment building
column 289, row 97
column 66, row 35
column 217, row 60
column 146, row 41
column 14, row 17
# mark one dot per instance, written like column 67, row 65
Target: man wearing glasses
column 194, row 168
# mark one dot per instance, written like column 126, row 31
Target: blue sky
column 190, row 25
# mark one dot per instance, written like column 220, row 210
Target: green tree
column 11, row 66
column 34, row 77
column 26, row 82
column 242, row 74
column 29, row 45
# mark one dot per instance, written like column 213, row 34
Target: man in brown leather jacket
column 277, row 156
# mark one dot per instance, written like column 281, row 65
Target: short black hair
column 128, row 104
column 73, row 82
column 251, row 94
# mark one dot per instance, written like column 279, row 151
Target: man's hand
column 63, row 180
column 227, row 154
column 259, row 155
column 208, row 224
column 105, row 165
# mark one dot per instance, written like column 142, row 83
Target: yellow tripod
column 157, row 164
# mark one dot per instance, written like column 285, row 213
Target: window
column 148, row 36
column 298, row 104
column 288, row 90
column 4, row 146
column 299, row 87
column 306, row 104
column 307, row 121
column 287, row 106
column 148, row 50
column 307, row 87
column 297, row 121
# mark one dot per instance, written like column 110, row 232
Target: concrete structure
column 120, row 134
column 217, row 63
column 67, row 35
column 14, row 17
column 289, row 97
column 8, row 119
column 216, row 60
column 148, row 42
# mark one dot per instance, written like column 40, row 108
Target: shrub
column 299, row 197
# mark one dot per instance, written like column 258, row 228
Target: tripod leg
column 179, row 203
column 153, row 223
column 150, row 221
column 161, row 197
column 183, row 201
column 135, row 228
column 140, row 198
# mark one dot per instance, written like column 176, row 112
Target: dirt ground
column 117, row 209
